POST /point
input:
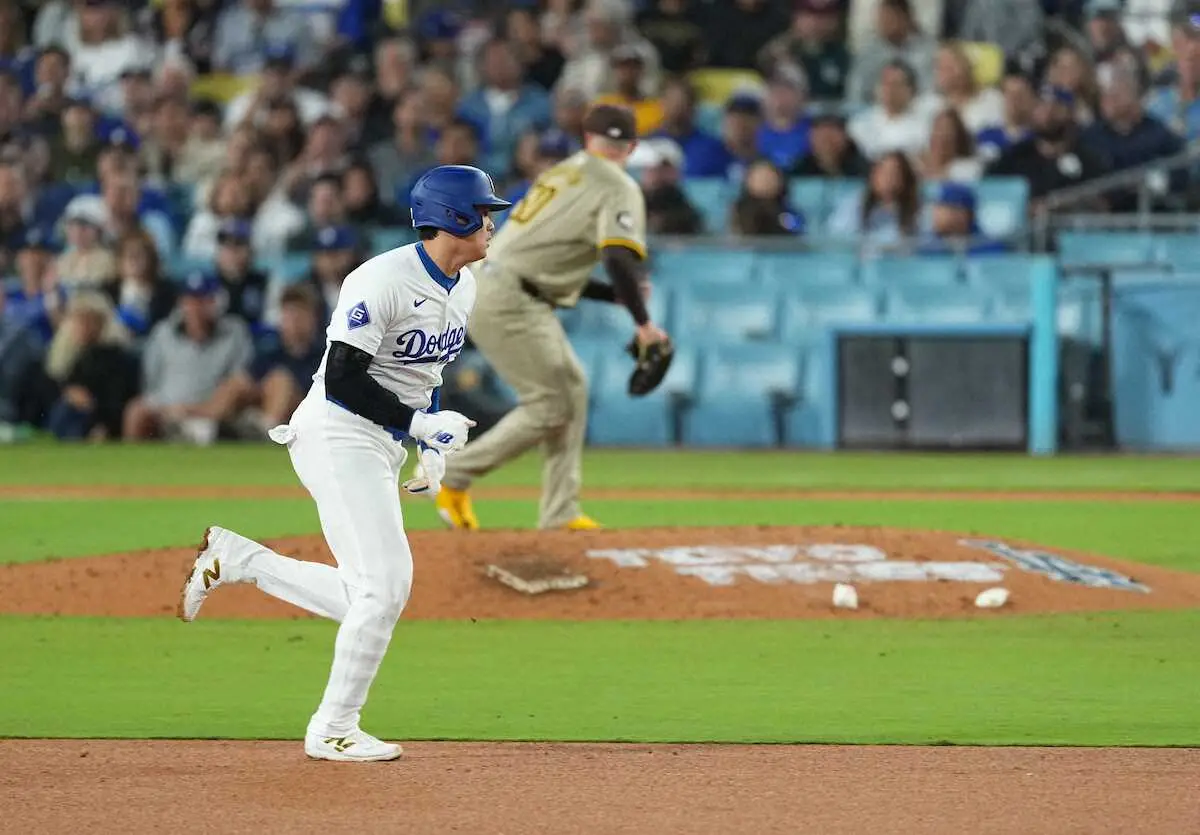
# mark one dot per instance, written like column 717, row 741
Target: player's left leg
column 562, row 472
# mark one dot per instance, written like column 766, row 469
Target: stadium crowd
column 184, row 184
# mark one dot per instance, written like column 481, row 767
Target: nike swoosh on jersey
column 419, row 302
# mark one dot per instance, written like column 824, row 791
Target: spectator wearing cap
column 832, row 152
column 953, row 225
column 1126, row 136
column 104, row 49
column 184, row 362
column 629, row 89
column 951, row 151
column 608, row 24
column 364, row 206
column 1177, row 101
column 505, row 105
column 16, row 211
column 267, row 392
column 276, row 82
column 737, row 31
column 1020, row 101
column 87, row 262
column 335, row 255
column 30, row 299
column 43, row 109
column 542, row 62
column 326, row 207
column 887, row 214
column 1070, row 70
column 90, row 363
column 783, row 136
column 659, row 164
column 138, row 98
column 894, row 122
column 21, row 354
column 534, row 154
column 739, row 133
column 674, row 28
column 128, row 210
column 248, row 29
column 246, row 287
column 1054, row 157
column 762, row 207
column 897, row 39
column 1013, row 25
column 437, row 37
column 142, row 294
column 955, row 86
column 74, row 150
column 815, row 44
column 409, row 151
column 703, row 154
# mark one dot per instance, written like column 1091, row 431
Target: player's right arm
column 355, row 333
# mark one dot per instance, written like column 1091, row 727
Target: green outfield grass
column 1127, row 679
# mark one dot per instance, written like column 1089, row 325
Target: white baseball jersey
column 407, row 314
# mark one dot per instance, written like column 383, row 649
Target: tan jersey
column 553, row 237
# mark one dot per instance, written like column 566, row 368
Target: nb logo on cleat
column 211, row 575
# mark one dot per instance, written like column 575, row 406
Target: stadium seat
column 1098, row 248
column 808, row 194
column 928, row 271
column 1079, row 310
column 592, row 352
column 384, row 238
column 290, row 268
column 806, row 312
column 936, row 305
column 803, row 424
column 836, row 192
column 617, row 419
column 725, row 312
column 179, row 267
column 802, row 269
column 1003, row 205
column 741, row 393
column 1181, row 252
column 712, row 197
column 705, row 265
column 1012, row 304
column 597, row 319
column 1001, row 271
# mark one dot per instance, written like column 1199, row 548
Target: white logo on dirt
column 1057, row 568
column 722, row 565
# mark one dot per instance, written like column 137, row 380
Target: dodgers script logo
column 418, row 346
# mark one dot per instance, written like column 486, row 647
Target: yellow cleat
column 454, row 506
column 583, row 522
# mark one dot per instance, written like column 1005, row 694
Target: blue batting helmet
column 452, row 198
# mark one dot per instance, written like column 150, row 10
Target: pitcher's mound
column 661, row 573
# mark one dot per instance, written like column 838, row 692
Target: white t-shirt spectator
column 984, row 110
column 276, row 221
column 878, row 133
column 96, row 68
column 310, row 104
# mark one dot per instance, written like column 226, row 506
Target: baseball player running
column 584, row 209
column 400, row 318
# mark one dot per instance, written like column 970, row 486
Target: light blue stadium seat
column 1012, row 304
column 742, row 389
column 179, row 267
column 383, row 239
column 809, row 195
column 704, row 265
column 592, row 352
column 712, row 197
column 725, row 312
column 1002, row 206
column 995, row 272
column 1079, row 309
column 930, row 270
column 617, row 419
column 788, row 270
column 837, row 192
column 598, row 319
column 806, row 312
column 1182, row 252
column 290, row 268
column 917, row 304
column 1098, row 248
column 1137, row 275
column 804, row 423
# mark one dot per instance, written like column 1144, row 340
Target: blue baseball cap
column 440, row 25
column 1058, row 95
column 280, row 55
column 335, row 238
column 956, row 195
column 200, row 283
column 234, row 230
column 555, row 144
column 122, row 136
column 41, row 238
column 744, row 102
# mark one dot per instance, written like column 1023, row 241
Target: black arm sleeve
column 600, row 291
column 348, row 383
column 626, row 271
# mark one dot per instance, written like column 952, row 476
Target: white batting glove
column 428, row 475
column 443, row 431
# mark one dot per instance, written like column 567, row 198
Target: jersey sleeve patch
column 625, row 221
column 358, row 317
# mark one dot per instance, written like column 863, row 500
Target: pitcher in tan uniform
column 584, row 210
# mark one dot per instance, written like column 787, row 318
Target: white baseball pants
column 351, row 468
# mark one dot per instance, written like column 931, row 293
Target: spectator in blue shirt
column 953, row 225
column 30, row 299
column 783, row 136
column 1020, row 101
column 1126, row 136
column 739, row 134
column 15, row 56
column 703, row 153
column 504, row 105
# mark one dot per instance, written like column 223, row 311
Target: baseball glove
column 651, row 364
